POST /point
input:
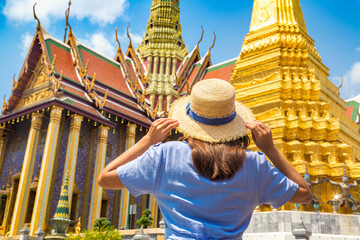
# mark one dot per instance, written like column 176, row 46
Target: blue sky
column 334, row 26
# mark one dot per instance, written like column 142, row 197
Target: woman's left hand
column 160, row 129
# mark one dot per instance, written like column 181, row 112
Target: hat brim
column 208, row 133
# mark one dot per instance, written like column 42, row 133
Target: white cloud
column 354, row 73
column 351, row 84
column 26, row 40
column 358, row 49
column 99, row 12
column 100, row 43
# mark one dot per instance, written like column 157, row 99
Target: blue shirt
column 194, row 207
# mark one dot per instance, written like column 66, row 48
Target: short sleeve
column 274, row 187
column 141, row 175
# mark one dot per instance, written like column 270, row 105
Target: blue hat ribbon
column 209, row 121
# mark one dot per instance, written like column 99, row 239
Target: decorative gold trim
column 89, row 85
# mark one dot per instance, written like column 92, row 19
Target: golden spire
column 269, row 12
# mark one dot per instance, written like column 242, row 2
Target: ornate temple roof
column 76, row 77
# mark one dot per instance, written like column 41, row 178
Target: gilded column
column 86, row 194
column 162, row 63
column 168, row 102
column 71, row 153
column 174, row 60
column 152, row 100
column 156, row 65
column 125, row 195
column 161, row 99
column 153, row 208
column 149, row 63
column 3, row 145
column 168, row 63
column 46, row 173
column 26, row 175
column 96, row 194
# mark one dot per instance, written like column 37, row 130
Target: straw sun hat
column 210, row 113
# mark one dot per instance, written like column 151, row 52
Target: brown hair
column 218, row 161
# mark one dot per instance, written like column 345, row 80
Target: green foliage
column 108, row 234
column 102, row 224
column 145, row 219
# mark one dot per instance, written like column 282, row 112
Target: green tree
column 102, row 224
column 145, row 220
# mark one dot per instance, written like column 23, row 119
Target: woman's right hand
column 160, row 129
column 261, row 135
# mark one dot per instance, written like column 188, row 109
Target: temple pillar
column 117, row 194
column 3, row 146
column 150, row 59
column 156, row 65
column 152, row 100
column 162, row 64
column 71, row 153
column 168, row 63
column 46, row 173
column 153, row 208
column 125, row 195
column 168, row 102
column 161, row 99
column 86, row 193
column 26, row 175
column 96, row 194
column 174, row 60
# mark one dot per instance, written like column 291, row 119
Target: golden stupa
column 279, row 74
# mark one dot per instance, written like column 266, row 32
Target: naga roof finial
column 116, row 37
column 213, row 44
column 67, row 14
column 202, row 34
column 341, row 84
column 35, row 17
column 128, row 34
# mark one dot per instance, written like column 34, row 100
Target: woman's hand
column 160, row 129
column 261, row 135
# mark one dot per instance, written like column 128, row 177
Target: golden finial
column 116, row 37
column 213, row 44
column 67, row 13
column 128, row 34
column 14, row 83
column 338, row 89
column 202, row 34
column 5, row 105
column 35, row 17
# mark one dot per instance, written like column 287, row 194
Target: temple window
column 105, row 202
column 74, row 211
column 30, row 206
